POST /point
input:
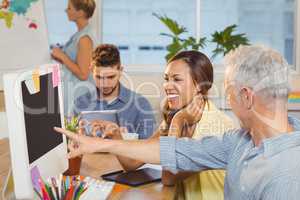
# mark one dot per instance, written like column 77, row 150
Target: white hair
column 260, row 68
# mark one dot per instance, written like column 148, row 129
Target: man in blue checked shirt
column 134, row 111
column 262, row 158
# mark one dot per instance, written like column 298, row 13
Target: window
column 266, row 22
column 131, row 26
column 289, row 37
column 59, row 27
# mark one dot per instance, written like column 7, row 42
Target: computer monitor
column 31, row 116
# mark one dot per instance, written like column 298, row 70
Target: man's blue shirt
column 270, row 171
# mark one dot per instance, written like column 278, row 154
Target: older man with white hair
column 262, row 158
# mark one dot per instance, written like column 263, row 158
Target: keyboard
column 97, row 189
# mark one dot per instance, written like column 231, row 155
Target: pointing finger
column 67, row 133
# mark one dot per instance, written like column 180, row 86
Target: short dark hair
column 106, row 55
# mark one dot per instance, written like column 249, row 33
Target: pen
column 44, row 191
column 49, row 191
column 63, row 189
column 37, row 192
column 59, row 186
column 45, row 194
column 78, row 189
column 54, row 184
column 67, row 183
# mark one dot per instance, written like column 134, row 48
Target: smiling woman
column 188, row 75
column 184, row 79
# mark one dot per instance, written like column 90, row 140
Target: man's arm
column 114, row 132
column 144, row 150
column 210, row 152
column 132, row 164
column 183, row 154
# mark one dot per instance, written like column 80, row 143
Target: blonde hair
column 87, row 6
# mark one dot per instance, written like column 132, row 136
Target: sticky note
column 55, row 76
column 35, row 177
column 36, row 79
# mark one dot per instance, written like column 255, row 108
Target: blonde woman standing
column 76, row 54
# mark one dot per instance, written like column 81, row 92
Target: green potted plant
column 225, row 40
column 72, row 124
column 178, row 43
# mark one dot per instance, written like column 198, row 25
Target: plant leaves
column 71, row 124
column 227, row 41
column 172, row 25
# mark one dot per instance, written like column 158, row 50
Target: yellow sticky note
column 36, row 79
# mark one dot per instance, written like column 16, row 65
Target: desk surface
column 94, row 165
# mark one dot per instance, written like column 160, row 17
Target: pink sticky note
column 55, row 76
column 35, row 177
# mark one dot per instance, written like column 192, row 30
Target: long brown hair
column 202, row 74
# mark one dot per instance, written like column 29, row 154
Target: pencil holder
column 74, row 166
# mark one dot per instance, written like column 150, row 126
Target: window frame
column 297, row 39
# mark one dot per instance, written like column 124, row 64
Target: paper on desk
column 152, row 166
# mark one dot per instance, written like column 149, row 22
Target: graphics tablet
column 134, row 178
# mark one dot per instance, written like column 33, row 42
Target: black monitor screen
column 41, row 114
